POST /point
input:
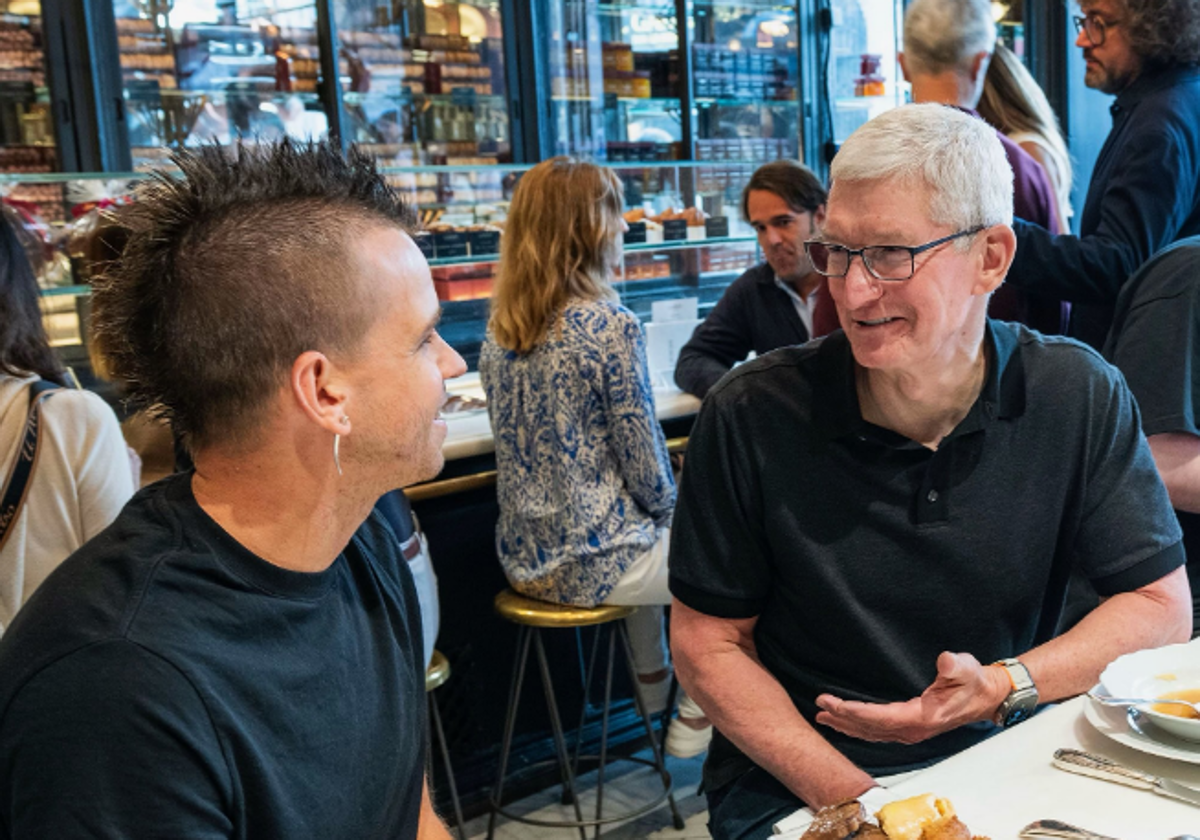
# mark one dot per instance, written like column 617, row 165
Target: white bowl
column 1153, row 673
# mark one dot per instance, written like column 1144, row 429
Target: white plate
column 1153, row 673
column 1110, row 721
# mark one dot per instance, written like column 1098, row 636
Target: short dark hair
column 1164, row 33
column 24, row 347
column 232, row 269
column 794, row 182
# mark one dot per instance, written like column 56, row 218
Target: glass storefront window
column 864, row 75
column 198, row 71
column 613, row 70
column 26, row 127
column 745, row 80
column 424, row 81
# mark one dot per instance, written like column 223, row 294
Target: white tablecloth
column 1000, row 786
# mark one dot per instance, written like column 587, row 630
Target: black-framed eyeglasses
column 1095, row 27
column 884, row 262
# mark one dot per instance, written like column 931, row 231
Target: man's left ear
column 818, row 215
column 999, row 246
column 979, row 66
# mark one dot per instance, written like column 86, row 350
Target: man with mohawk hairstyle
column 240, row 653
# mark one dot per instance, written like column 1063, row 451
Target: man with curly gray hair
column 1145, row 189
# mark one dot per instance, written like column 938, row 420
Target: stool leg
column 587, row 689
column 659, row 762
column 560, row 742
column 440, row 737
column 524, row 636
column 608, row 677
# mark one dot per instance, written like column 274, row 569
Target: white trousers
column 644, row 585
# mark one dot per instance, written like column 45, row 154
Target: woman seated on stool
column 584, row 481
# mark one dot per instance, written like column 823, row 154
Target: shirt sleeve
column 1142, row 209
column 638, row 439
column 129, row 755
column 1129, row 536
column 722, row 340
column 1157, row 345
column 103, row 472
column 719, row 562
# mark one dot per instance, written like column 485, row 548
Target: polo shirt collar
column 1149, row 82
column 837, row 414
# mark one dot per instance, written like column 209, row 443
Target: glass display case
column 198, row 71
column 26, row 127
column 424, row 82
column 686, row 243
column 745, row 80
column 864, row 76
column 613, row 72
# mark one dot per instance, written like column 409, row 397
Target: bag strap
column 17, row 483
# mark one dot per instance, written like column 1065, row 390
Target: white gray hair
column 955, row 156
column 941, row 35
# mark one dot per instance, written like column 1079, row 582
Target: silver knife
column 1099, row 767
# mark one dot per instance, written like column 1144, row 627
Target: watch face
column 1017, row 715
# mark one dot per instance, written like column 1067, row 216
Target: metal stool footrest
column 639, row 811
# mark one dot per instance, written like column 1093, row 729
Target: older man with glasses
column 875, row 530
column 1145, row 187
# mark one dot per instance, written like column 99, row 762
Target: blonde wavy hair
column 561, row 241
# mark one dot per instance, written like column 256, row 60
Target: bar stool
column 532, row 616
column 435, row 676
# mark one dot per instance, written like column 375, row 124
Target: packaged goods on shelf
column 135, row 25
column 27, row 159
column 751, row 74
column 617, row 56
column 727, row 258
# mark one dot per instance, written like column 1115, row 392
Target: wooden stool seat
column 531, row 612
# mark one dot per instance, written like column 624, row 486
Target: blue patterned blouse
column 584, row 480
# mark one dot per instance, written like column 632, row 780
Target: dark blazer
column 753, row 314
column 1144, row 195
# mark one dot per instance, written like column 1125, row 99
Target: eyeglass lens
column 883, row 262
column 1093, row 26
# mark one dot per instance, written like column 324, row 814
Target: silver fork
column 1105, row 700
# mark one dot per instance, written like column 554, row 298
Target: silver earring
column 337, row 462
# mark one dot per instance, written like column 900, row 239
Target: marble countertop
column 470, row 433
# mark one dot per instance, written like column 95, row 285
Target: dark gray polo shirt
column 865, row 554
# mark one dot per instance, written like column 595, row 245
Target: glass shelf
column 708, row 101
column 668, row 245
column 59, row 291
column 460, row 99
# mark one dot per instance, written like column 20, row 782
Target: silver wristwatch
column 1022, row 701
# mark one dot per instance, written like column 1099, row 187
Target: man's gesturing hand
column 963, row 692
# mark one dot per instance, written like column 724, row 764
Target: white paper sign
column 680, row 309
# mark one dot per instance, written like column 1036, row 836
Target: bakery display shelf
column 60, row 291
column 743, row 102
column 468, row 98
column 748, row 5
column 668, row 245
column 600, row 99
column 659, row 8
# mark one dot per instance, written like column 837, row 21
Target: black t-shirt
column 1155, row 341
column 864, row 554
column 166, row 682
